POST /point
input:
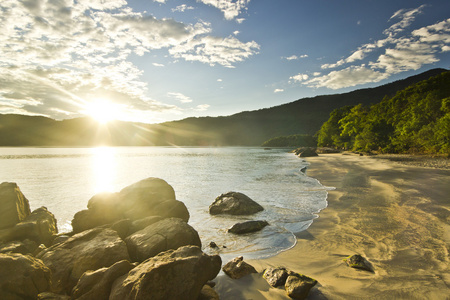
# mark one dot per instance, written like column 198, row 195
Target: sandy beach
column 395, row 215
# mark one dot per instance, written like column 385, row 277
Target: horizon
column 162, row 60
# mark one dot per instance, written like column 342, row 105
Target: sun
column 103, row 111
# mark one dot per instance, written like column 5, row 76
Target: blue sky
column 159, row 60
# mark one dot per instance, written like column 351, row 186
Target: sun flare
column 103, row 111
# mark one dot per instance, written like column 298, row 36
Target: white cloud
column 202, row 107
column 348, row 77
column 394, row 54
column 299, row 77
column 215, row 50
column 182, row 8
column 236, row 32
column 230, row 8
column 58, row 55
column 278, row 90
column 180, row 97
column 292, row 57
column 219, row 80
column 157, row 65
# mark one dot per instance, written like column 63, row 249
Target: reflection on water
column 104, row 169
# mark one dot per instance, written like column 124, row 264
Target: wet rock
column 97, row 284
column 164, row 235
column 248, row 227
column 276, row 276
column 234, row 203
column 306, row 152
column 359, row 262
column 148, row 197
column 208, row 293
column 174, row 274
column 90, row 250
column 238, row 268
column 213, row 245
column 298, row 286
column 22, row 276
column 14, row 207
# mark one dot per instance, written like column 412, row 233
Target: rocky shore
column 134, row 244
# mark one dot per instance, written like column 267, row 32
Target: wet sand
column 397, row 216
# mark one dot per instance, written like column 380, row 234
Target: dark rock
column 144, row 222
column 247, row 227
column 22, row 276
column 60, row 239
column 238, row 268
column 234, row 203
column 23, row 247
column 359, row 262
column 213, row 245
column 174, row 274
column 298, row 286
column 164, row 235
column 208, row 293
column 52, row 296
column 89, row 250
column 148, row 197
column 14, row 207
column 123, row 228
column 276, row 276
column 97, row 284
column 307, row 152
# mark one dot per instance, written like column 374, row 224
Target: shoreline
column 395, row 215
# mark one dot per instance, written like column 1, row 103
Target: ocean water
column 64, row 179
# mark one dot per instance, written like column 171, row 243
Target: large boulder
column 23, row 247
column 39, row 226
column 174, row 274
column 148, row 197
column 166, row 234
column 238, row 268
column 306, row 152
column 97, row 284
column 298, row 286
column 89, row 250
column 234, row 203
column 248, row 227
column 22, row 277
column 14, row 207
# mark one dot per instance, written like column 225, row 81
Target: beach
column 395, row 215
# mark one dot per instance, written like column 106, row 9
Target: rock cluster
column 135, row 244
column 305, row 152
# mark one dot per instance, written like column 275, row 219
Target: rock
column 97, row 284
column 234, row 203
column 144, row 222
column 276, row 276
column 174, row 274
column 247, row 227
column 208, row 293
column 23, row 247
column 359, row 262
column 164, row 235
column 39, row 226
column 148, row 197
column 60, row 239
column 14, row 207
column 89, row 250
column 52, row 296
column 306, row 152
column 298, row 286
column 238, row 268
column 22, row 276
column 213, row 245
column 123, row 228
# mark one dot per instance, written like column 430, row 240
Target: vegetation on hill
column 415, row 120
column 296, row 140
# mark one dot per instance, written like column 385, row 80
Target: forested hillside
column 415, row 120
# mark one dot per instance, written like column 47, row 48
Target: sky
column 160, row 60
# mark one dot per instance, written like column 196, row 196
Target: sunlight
column 103, row 111
column 104, row 169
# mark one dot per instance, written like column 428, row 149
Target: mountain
column 252, row 128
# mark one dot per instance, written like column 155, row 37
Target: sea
column 64, row 179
